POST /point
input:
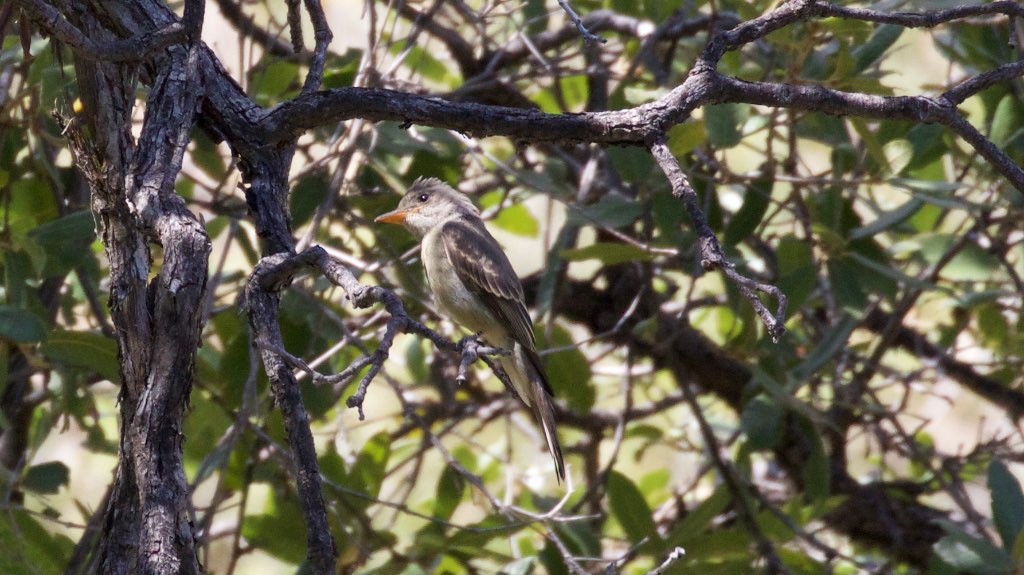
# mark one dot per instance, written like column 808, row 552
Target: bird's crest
column 435, row 186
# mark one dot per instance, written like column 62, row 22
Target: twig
column 472, row 350
column 711, row 253
column 246, row 26
column 674, row 556
column 587, row 34
column 322, row 37
column 735, row 485
column 295, row 26
column 279, row 270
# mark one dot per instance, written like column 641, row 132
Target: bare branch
column 736, row 485
column 711, row 253
column 134, row 49
column 295, row 26
column 919, row 109
column 322, row 37
column 279, row 270
column 587, row 34
column 957, row 94
column 232, row 12
column 676, row 554
column 262, row 298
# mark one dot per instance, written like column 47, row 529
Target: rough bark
column 147, row 527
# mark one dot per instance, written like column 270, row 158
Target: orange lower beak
column 394, row 217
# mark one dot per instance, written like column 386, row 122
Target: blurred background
column 879, row 434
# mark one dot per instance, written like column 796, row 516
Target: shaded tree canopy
column 773, row 252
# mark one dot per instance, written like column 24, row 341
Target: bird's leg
column 472, row 349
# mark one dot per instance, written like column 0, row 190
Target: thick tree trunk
column 147, row 524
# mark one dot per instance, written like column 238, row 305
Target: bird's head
column 428, row 204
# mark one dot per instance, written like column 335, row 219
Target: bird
column 475, row 285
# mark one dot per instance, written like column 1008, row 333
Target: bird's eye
column 424, row 197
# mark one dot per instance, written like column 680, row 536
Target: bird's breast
column 450, row 293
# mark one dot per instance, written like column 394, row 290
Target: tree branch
column 582, row 28
column 134, row 49
column 711, row 253
column 262, row 297
column 279, row 271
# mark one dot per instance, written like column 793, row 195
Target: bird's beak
column 392, row 217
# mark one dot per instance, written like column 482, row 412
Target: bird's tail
column 545, row 415
column 527, row 377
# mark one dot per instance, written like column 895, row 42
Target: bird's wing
column 484, row 269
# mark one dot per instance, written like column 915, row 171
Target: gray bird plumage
column 474, row 283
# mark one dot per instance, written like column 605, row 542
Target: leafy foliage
column 901, row 253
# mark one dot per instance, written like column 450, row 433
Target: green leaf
column 46, row 477
column 517, row 219
column 568, row 369
column 992, row 325
column 574, row 92
column 761, row 421
column 684, row 138
column 755, row 203
column 869, row 137
column 826, row 129
column 971, row 554
column 425, row 64
column 971, row 263
column 633, row 164
column 319, row 399
column 552, row 560
column 371, row 463
column 869, row 52
column 416, row 360
column 553, row 268
column 450, row 488
column 307, row 195
column 65, row 241
column 1007, row 121
column 698, row 520
column 26, row 547
column 670, row 219
column 844, row 274
column 888, row 219
column 929, row 146
column 797, row 271
column 31, row 203
column 580, row 538
column 83, row 349
column 608, row 253
column 611, row 211
column 205, row 424
column 898, row 154
column 341, row 69
column 834, row 341
column 722, row 122
column 816, row 472
column 279, row 531
column 274, row 81
column 206, row 155
column 20, row 325
column 536, row 15
column 1007, row 503
column 630, row 508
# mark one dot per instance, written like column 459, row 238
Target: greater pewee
column 474, row 284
